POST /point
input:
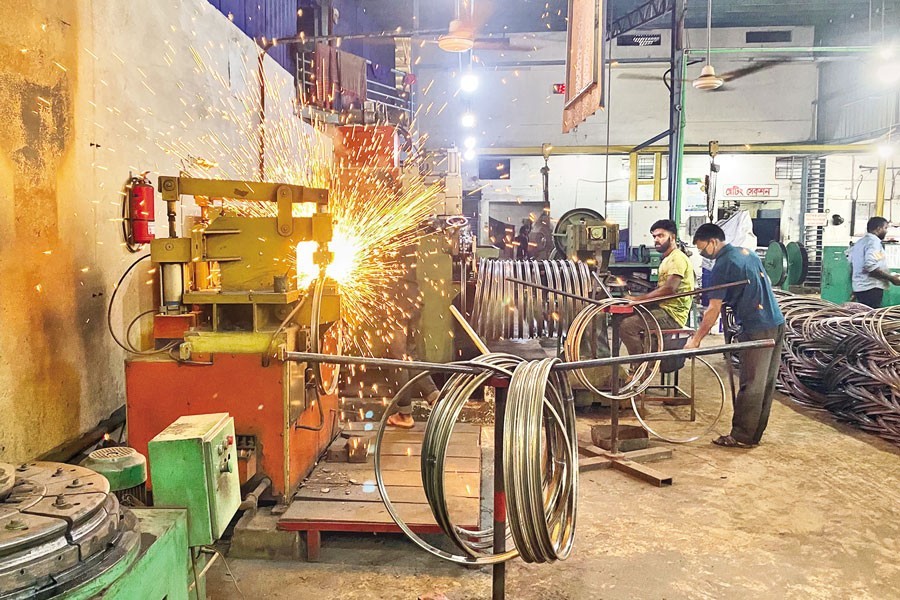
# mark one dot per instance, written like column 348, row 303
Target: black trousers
column 759, row 369
column 871, row 298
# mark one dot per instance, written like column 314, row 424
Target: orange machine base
column 159, row 390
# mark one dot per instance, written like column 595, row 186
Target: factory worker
column 871, row 275
column 757, row 312
column 676, row 275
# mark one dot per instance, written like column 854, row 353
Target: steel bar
column 637, row 302
column 387, row 363
column 471, row 369
column 650, row 356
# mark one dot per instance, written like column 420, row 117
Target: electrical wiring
column 109, row 308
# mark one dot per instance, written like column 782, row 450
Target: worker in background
column 522, row 240
column 870, row 272
column 676, row 275
column 756, row 311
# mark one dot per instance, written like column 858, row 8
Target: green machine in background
column 837, row 286
column 786, row 264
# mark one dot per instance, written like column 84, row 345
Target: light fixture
column 467, row 120
column 459, row 38
column 708, row 79
column 469, row 143
column 885, row 150
column 888, row 72
column 468, row 82
column 469, row 154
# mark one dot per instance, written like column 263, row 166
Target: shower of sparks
column 379, row 213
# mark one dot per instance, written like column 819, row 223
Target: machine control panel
column 193, row 465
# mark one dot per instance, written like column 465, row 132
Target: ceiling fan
column 727, row 77
column 708, row 79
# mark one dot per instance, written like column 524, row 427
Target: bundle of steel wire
column 507, row 310
column 540, row 462
column 844, row 359
column 584, row 322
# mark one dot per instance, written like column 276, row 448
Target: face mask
column 705, row 253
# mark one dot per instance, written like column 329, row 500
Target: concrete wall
column 91, row 91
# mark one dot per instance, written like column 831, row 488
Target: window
column 493, row 168
column 767, row 37
column 789, row 167
column 645, row 167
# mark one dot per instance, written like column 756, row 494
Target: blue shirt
column 865, row 256
column 754, row 304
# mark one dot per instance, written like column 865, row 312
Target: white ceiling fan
column 708, row 79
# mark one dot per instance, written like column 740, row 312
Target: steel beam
column 642, row 15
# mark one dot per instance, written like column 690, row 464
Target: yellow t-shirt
column 676, row 263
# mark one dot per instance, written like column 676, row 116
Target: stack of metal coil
column 506, row 310
column 844, row 359
column 540, row 462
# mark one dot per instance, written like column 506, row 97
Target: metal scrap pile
column 843, row 358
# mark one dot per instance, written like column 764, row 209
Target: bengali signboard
column 744, row 190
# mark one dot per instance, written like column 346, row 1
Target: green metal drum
column 776, row 263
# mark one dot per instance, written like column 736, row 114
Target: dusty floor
column 811, row 513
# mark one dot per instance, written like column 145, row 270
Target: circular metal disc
column 569, row 217
column 776, row 263
column 797, row 263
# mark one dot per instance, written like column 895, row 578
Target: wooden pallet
column 344, row 496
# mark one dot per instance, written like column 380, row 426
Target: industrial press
column 229, row 300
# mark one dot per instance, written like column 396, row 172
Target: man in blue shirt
column 757, row 312
column 870, row 272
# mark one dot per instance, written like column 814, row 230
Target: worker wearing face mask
column 870, row 273
column 757, row 312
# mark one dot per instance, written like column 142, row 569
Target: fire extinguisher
column 140, row 213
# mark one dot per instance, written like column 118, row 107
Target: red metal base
column 158, row 391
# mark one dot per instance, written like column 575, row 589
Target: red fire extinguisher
column 141, row 211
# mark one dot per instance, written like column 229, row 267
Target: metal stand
column 626, row 462
column 498, row 575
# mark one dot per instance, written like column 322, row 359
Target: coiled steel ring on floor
column 643, row 374
column 540, row 462
column 844, row 359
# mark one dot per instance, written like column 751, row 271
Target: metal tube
column 650, row 356
column 172, row 286
column 389, row 363
column 632, row 302
column 879, row 187
column 498, row 574
column 252, row 499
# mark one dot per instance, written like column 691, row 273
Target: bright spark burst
column 379, row 214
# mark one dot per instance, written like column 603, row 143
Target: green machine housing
column 193, row 464
column 837, row 285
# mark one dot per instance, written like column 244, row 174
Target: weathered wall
column 90, row 91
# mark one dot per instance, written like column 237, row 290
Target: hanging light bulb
column 468, row 119
column 468, row 82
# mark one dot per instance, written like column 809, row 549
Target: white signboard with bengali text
column 745, row 190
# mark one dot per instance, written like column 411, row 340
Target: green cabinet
column 193, row 465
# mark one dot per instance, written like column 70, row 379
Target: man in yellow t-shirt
column 676, row 275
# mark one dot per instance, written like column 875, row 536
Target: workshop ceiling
column 509, row 16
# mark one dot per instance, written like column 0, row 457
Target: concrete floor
column 811, row 513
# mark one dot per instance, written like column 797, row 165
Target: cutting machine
column 229, row 299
